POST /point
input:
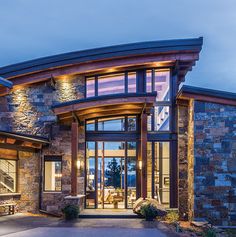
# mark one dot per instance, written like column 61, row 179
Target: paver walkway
column 40, row 226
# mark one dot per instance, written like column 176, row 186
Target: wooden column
column 74, row 155
column 144, row 154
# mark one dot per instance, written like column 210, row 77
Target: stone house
column 103, row 127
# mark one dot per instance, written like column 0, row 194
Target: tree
column 113, row 174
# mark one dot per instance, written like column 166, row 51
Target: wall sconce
column 140, row 164
column 78, row 164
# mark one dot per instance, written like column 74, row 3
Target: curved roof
column 104, row 53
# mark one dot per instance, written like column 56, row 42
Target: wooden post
column 144, row 154
column 74, row 154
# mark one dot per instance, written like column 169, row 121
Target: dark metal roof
column 125, row 50
column 207, row 92
column 5, row 83
column 25, row 137
column 104, row 97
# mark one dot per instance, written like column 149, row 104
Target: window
column 52, row 173
column 131, row 82
column 111, row 84
column 7, row 176
column 90, row 87
column 162, row 118
column 111, row 124
column 90, row 125
column 159, row 81
column 131, row 123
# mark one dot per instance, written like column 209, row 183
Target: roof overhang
column 207, row 95
column 19, row 141
column 89, row 108
column 167, row 53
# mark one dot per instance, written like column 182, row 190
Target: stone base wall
column 61, row 145
column 28, row 183
column 215, row 163
column 185, row 159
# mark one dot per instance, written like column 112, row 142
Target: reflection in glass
column 131, row 123
column 149, row 81
column 162, row 118
column 131, row 82
column 149, row 123
column 162, row 85
column 90, row 87
column 131, row 173
column 7, row 176
column 149, row 170
column 111, row 84
column 52, row 179
column 90, row 172
column 90, row 125
column 111, row 124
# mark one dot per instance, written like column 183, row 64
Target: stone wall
column 185, row 159
column 28, row 183
column 28, row 108
column 215, row 163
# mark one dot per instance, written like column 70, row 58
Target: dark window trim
column 51, row 158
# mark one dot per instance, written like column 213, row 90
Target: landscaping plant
column 71, row 212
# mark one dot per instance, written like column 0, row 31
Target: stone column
column 74, row 154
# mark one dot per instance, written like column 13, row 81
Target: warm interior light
column 78, row 164
column 58, row 175
column 140, row 164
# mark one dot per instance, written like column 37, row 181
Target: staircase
column 7, row 175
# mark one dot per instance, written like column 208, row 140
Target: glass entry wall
column 110, row 174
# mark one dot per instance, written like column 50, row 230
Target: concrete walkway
column 20, row 225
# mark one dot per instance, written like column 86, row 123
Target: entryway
column 111, row 174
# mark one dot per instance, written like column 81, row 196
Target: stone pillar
column 144, row 155
column 185, row 159
column 74, row 154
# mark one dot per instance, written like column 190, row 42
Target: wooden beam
column 74, row 154
column 144, row 154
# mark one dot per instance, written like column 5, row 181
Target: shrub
column 71, row 212
column 210, row 233
column 172, row 217
column 150, row 211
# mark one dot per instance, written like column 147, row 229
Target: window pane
column 90, row 87
column 111, row 124
column 131, row 123
column 111, row 84
column 149, row 81
column 53, row 175
column 162, row 85
column 149, row 170
column 90, row 171
column 149, row 123
column 7, row 176
column 162, row 118
column 131, row 82
column 90, row 125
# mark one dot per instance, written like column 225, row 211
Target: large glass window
column 162, row 118
column 52, row 173
column 111, row 124
column 159, row 81
column 131, row 82
column 111, row 84
column 7, row 176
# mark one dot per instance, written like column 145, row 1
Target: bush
column 210, row 233
column 71, row 212
column 172, row 216
column 150, row 211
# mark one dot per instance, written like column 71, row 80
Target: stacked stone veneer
column 28, row 110
column 185, row 159
column 215, row 163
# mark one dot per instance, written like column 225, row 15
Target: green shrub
column 150, row 211
column 71, row 212
column 209, row 233
column 172, row 216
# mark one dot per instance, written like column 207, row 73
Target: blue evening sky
column 36, row 28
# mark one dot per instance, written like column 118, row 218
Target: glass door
column 110, row 174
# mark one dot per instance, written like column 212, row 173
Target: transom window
column 121, row 123
column 116, row 83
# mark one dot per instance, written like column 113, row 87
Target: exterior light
column 78, row 164
column 140, row 164
column 58, row 175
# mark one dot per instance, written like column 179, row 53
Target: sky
column 31, row 29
